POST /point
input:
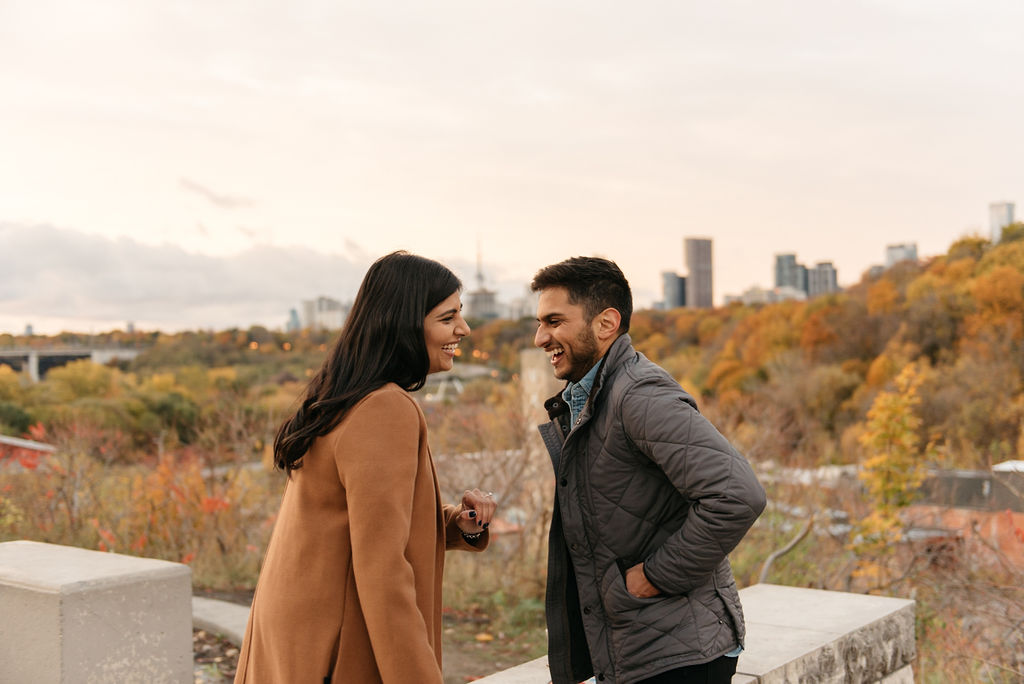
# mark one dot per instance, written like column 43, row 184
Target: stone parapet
column 72, row 615
column 805, row 635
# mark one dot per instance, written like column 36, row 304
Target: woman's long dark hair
column 381, row 342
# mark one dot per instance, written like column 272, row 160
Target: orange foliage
column 816, row 334
column 959, row 270
column 999, row 296
column 882, row 297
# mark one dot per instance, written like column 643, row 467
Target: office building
column 822, row 279
column 699, row 286
column 673, row 290
column 789, row 273
column 324, row 313
column 897, row 253
column 1000, row 215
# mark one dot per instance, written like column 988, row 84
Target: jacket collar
column 620, row 351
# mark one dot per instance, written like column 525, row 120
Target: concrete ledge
column 804, row 635
column 796, row 634
column 75, row 615
column 220, row 617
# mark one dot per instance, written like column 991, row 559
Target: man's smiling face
column 564, row 332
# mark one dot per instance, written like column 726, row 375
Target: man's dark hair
column 594, row 283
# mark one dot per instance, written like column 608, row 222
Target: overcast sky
column 210, row 164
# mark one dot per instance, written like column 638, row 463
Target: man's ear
column 606, row 324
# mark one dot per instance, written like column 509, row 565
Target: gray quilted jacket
column 642, row 477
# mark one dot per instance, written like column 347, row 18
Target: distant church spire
column 479, row 266
column 481, row 303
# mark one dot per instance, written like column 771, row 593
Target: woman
column 350, row 589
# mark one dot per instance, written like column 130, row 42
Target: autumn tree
column 891, row 472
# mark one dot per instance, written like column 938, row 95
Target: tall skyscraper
column 1000, row 215
column 697, row 252
column 897, row 253
column 822, row 279
column 790, row 273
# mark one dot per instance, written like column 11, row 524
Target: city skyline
column 328, row 310
column 195, row 165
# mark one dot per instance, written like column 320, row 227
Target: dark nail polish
column 486, row 525
column 472, row 514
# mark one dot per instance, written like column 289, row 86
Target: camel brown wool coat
column 350, row 589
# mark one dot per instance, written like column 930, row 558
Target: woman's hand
column 476, row 511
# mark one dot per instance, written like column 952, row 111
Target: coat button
column 600, row 677
column 586, row 611
column 564, row 482
column 574, row 547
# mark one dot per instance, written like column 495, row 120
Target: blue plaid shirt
column 577, row 393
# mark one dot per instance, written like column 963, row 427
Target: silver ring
column 491, row 494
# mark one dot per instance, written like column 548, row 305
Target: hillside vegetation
column 921, row 367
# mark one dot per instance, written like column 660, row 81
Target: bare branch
column 786, row 549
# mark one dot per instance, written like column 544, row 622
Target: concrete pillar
column 33, row 366
column 70, row 615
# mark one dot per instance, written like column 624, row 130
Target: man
column 649, row 500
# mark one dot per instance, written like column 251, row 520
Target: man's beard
column 584, row 355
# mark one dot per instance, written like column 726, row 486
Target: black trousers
column 718, row 671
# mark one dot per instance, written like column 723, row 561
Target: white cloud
column 52, row 274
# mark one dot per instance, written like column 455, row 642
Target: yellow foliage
column 1000, row 291
column 959, row 270
column 221, row 377
column 655, row 347
column 882, row 297
column 1008, row 255
column 708, row 329
column 727, row 371
column 686, row 322
column 764, row 335
column 693, row 390
column 160, row 382
column 887, row 364
column 923, row 286
column 10, row 384
column 999, row 296
column 80, row 379
column 894, row 468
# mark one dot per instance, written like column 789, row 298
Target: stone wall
column 805, row 635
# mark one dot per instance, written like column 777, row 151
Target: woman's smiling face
column 443, row 328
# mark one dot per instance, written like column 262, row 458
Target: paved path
column 220, row 617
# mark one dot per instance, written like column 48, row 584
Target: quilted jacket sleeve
column 724, row 495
